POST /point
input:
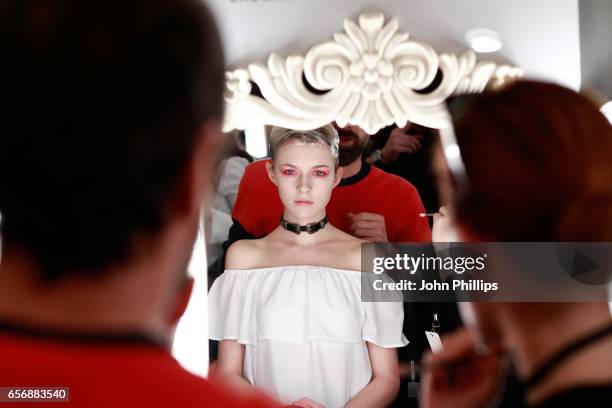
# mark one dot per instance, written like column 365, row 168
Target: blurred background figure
column 537, row 168
column 408, row 152
column 230, row 168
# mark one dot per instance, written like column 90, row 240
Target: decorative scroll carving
column 371, row 74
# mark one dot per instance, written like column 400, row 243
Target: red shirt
column 108, row 374
column 258, row 207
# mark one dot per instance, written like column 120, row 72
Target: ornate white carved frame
column 371, row 72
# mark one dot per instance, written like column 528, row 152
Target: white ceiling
column 541, row 36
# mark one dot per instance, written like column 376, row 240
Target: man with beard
column 368, row 203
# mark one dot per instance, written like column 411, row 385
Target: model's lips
column 303, row 202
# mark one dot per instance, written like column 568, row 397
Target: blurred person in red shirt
column 110, row 115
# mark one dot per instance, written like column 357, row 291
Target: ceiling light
column 483, row 40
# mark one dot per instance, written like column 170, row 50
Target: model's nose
column 304, row 184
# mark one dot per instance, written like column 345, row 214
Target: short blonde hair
column 325, row 135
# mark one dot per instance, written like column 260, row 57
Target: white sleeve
column 230, row 309
column 383, row 324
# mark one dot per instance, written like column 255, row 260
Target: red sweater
column 258, row 207
column 107, row 374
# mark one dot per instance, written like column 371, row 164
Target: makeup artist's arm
column 383, row 387
column 229, row 367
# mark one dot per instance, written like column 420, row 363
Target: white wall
column 542, row 36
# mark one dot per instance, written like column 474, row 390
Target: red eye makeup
column 320, row 172
column 287, row 171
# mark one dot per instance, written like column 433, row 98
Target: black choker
column 309, row 228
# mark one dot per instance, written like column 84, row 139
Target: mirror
column 371, row 75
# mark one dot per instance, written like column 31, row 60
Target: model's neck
column 535, row 341
column 352, row 169
column 122, row 301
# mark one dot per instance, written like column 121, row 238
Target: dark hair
column 538, row 159
column 101, row 102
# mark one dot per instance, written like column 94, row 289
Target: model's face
column 353, row 141
column 305, row 176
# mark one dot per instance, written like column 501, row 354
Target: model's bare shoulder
column 353, row 253
column 245, row 254
column 353, row 243
column 350, row 248
column 342, row 237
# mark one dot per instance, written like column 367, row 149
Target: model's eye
column 319, row 173
column 288, row 172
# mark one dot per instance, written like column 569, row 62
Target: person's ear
column 339, row 173
column 199, row 170
column 182, row 301
column 270, row 170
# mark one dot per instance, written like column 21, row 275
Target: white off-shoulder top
column 304, row 329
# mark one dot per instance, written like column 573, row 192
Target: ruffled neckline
column 319, row 267
column 300, row 303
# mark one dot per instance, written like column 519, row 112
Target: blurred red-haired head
column 538, row 160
